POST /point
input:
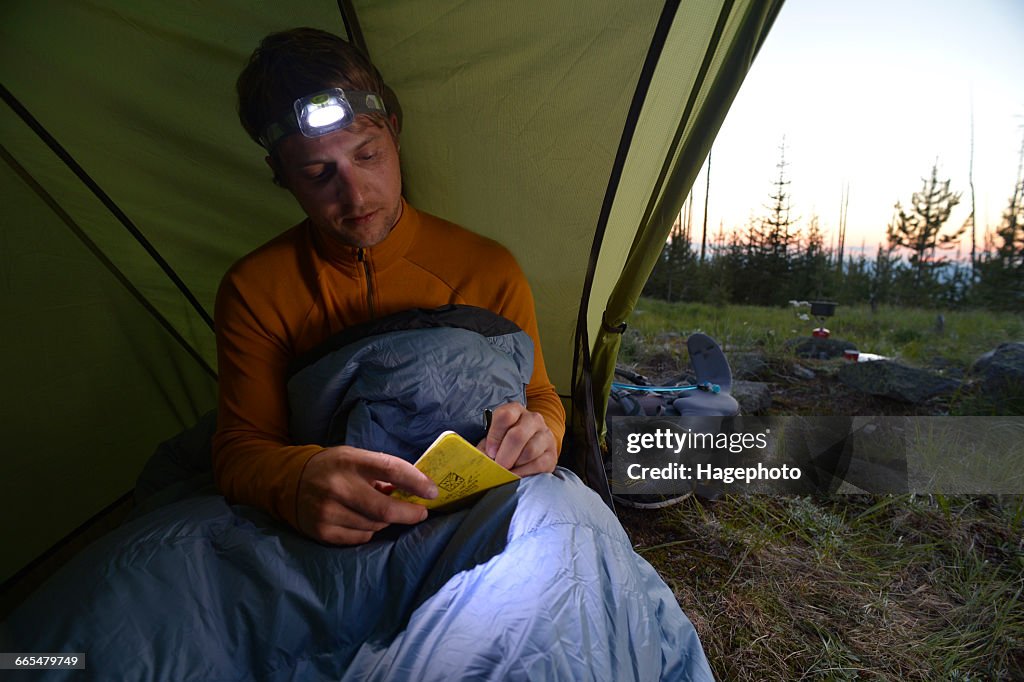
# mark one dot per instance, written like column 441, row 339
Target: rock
column 748, row 365
column 801, row 372
column 754, row 397
column 946, row 368
column 892, row 380
column 820, row 349
column 1002, row 369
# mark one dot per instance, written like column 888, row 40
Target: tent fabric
column 731, row 47
column 514, row 117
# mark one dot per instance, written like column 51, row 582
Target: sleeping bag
column 536, row 581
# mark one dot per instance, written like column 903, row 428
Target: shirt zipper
column 361, row 256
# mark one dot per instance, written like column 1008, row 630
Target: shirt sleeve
column 517, row 305
column 253, row 462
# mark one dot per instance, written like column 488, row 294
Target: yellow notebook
column 459, row 470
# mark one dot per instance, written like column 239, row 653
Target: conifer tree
column 1001, row 268
column 919, row 229
column 769, row 243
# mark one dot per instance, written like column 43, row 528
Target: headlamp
column 322, row 113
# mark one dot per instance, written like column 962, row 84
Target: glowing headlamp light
column 322, row 113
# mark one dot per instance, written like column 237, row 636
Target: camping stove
column 821, row 310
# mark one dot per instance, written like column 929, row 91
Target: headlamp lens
column 324, row 116
column 323, row 112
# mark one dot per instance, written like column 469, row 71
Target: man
column 361, row 253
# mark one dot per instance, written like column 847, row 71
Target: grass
column 863, row 587
column 852, row 588
column 909, row 334
column 655, row 339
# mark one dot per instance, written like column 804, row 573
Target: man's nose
column 348, row 187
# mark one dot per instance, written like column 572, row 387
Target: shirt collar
column 381, row 255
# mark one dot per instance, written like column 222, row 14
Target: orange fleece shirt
column 301, row 288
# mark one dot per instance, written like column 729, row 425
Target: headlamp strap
column 350, row 105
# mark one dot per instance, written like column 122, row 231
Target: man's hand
column 344, row 492
column 520, row 441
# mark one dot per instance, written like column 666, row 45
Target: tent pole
column 754, row 21
column 589, row 458
column 352, row 27
column 63, row 154
column 77, row 230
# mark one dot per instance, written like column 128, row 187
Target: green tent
column 570, row 132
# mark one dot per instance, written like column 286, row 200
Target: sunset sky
column 871, row 93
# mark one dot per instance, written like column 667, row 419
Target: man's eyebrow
column 367, row 140
column 371, row 136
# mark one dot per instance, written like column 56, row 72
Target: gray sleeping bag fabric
column 536, row 581
column 386, row 392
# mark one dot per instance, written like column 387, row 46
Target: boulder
column 801, row 372
column 820, row 349
column 892, row 380
column 1001, row 369
column 754, row 397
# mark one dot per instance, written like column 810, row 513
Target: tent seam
column 23, row 113
column 76, row 229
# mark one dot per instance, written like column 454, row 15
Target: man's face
column 348, row 182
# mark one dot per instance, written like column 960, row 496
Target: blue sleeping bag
column 536, row 581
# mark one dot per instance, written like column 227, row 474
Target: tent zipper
column 361, row 256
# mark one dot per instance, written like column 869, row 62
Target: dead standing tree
column 770, row 241
column 920, row 229
column 775, row 232
column 844, row 206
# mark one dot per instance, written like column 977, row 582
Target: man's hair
column 296, row 63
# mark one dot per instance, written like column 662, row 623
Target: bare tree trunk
column 970, row 180
column 707, row 193
column 689, row 217
column 843, row 208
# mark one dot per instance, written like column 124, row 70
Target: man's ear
column 278, row 178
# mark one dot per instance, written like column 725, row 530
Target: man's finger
column 335, row 515
column 336, row 535
column 364, row 510
column 544, row 464
column 390, row 510
column 518, row 437
column 535, row 448
column 539, row 456
column 364, row 507
column 532, row 469
column 504, row 418
column 384, row 487
column 395, row 470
